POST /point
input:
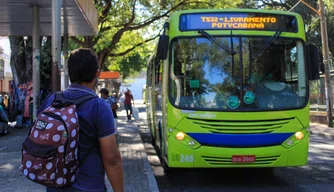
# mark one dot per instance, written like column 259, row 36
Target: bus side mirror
column 314, row 62
column 163, row 45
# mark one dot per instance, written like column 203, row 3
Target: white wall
column 7, row 69
column 136, row 87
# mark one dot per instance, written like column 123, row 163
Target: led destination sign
column 253, row 21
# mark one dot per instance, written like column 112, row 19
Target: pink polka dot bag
column 50, row 152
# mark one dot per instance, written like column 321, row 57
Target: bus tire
column 167, row 169
column 165, row 166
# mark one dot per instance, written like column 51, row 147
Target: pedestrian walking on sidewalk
column 97, row 142
column 128, row 104
column 112, row 102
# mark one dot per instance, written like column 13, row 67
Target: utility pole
column 36, row 60
column 325, row 50
column 65, row 62
column 65, row 68
column 56, row 44
column 325, row 53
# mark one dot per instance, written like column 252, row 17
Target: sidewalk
column 322, row 130
column 138, row 174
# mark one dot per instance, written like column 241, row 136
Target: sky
column 136, row 87
column 4, row 43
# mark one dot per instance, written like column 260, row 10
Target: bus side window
column 149, row 75
column 158, row 83
column 158, row 72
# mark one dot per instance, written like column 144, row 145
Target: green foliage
column 129, row 65
column 45, row 62
column 22, row 64
column 128, row 29
column 311, row 19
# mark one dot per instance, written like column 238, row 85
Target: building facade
column 6, row 75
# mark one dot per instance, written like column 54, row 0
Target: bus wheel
column 164, row 165
column 167, row 169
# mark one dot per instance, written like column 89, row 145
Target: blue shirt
column 99, row 123
column 111, row 100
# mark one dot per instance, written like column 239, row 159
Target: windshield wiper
column 266, row 45
column 218, row 43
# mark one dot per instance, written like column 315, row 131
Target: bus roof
column 176, row 13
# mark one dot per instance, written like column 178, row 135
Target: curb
column 153, row 186
column 147, row 170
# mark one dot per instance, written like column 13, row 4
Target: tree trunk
column 88, row 42
column 102, row 57
column 15, row 58
column 21, row 59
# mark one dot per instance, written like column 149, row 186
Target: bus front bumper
column 180, row 155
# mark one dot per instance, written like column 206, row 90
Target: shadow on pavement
column 318, row 171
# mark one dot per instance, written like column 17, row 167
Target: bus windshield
column 205, row 77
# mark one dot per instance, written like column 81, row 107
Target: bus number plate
column 243, row 158
column 185, row 158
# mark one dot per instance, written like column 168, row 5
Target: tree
column 129, row 65
column 124, row 26
column 21, row 60
column 311, row 19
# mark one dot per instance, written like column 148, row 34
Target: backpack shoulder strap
column 60, row 99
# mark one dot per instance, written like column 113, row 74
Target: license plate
column 243, row 158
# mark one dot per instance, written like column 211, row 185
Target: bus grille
column 228, row 160
column 240, row 127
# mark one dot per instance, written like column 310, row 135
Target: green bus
column 230, row 88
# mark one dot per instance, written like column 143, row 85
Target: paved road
column 317, row 176
column 137, row 171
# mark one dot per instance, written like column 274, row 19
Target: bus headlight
column 294, row 139
column 191, row 142
column 180, row 136
column 183, row 138
column 299, row 135
column 289, row 142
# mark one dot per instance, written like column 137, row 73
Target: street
column 317, row 176
column 227, row 83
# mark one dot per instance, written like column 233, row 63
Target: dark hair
column 104, row 91
column 82, row 65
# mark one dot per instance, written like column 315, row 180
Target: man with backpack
column 112, row 102
column 63, row 157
